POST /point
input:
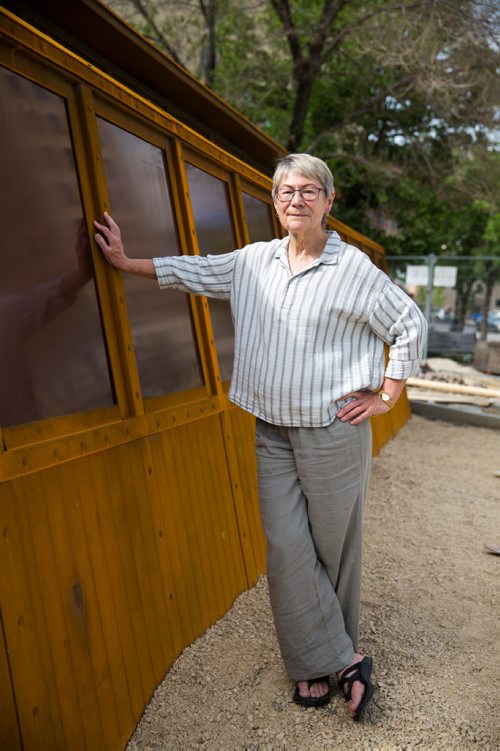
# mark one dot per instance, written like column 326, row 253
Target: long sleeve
column 303, row 341
column 201, row 275
column 399, row 322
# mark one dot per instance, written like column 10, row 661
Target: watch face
column 386, row 398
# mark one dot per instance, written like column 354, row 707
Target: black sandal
column 313, row 701
column 360, row 671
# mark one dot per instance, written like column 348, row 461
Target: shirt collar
column 330, row 254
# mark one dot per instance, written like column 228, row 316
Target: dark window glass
column 259, row 219
column 160, row 320
column 212, row 216
column 52, row 353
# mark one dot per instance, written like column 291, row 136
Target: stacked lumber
column 446, row 381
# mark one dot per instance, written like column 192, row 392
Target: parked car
column 493, row 320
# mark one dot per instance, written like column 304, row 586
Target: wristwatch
column 386, row 398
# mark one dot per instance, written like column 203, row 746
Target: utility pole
column 432, row 259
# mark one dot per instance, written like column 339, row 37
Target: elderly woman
column 311, row 317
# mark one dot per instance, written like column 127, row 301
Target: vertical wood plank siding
column 124, row 533
column 111, row 564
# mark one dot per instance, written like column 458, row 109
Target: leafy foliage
column 399, row 98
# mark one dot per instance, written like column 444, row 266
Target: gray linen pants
column 312, row 485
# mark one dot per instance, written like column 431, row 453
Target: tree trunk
column 306, row 67
column 492, row 273
column 305, row 80
column 209, row 52
column 463, row 296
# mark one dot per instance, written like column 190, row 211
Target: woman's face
column 299, row 214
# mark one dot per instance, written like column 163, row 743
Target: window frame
column 199, row 160
column 37, row 430
column 89, row 91
column 265, row 196
column 153, row 135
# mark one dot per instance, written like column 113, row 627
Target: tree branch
column 400, row 88
column 343, row 33
column 328, row 15
column 282, row 8
column 391, row 170
column 157, row 35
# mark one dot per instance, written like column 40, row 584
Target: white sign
column 445, row 276
column 417, row 276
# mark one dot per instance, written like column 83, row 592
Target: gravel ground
column 428, row 620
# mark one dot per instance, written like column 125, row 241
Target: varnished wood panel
column 9, row 726
column 239, row 429
column 111, row 566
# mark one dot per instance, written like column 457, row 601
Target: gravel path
column 428, row 620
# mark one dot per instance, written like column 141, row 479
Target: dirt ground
column 429, row 620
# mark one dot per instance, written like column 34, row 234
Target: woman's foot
column 313, row 693
column 354, row 681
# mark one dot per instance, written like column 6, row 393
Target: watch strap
column 386, row 398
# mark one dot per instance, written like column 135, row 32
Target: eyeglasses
column 307, row 194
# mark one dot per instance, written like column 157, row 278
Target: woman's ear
column 329, row 204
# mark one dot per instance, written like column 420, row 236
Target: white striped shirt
column 303, row 341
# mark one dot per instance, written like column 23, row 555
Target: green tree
column 399, row 98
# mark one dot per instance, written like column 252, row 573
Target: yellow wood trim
column 181, row 210
column 386, row 426
column 174, row 605
column 105, row 526
column 129, row 120
column 55, row 427
column 175, row 398
column 239, row 500
column 215, row 170
column 181, row 200
column 21, row 35
column 351, row 235
column 400, row 413
column 238, row 211
column 110, row 285
column 264, row 196
column 257, row 191
column 10, row 737
column 23, row 604
column 202, row 161
column 91, row 586
column 30, row 66
column 189, row 243
column 280, row 231
column 20, row 460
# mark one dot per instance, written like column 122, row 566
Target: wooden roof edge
column 93, row 31
column 352, row 234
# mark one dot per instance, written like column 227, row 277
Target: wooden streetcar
column 128, row 496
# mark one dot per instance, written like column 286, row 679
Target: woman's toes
column 303, row 687
column 319, row 689
column 315, row 691
column 357, row 695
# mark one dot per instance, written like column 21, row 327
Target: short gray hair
column 307, row 165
